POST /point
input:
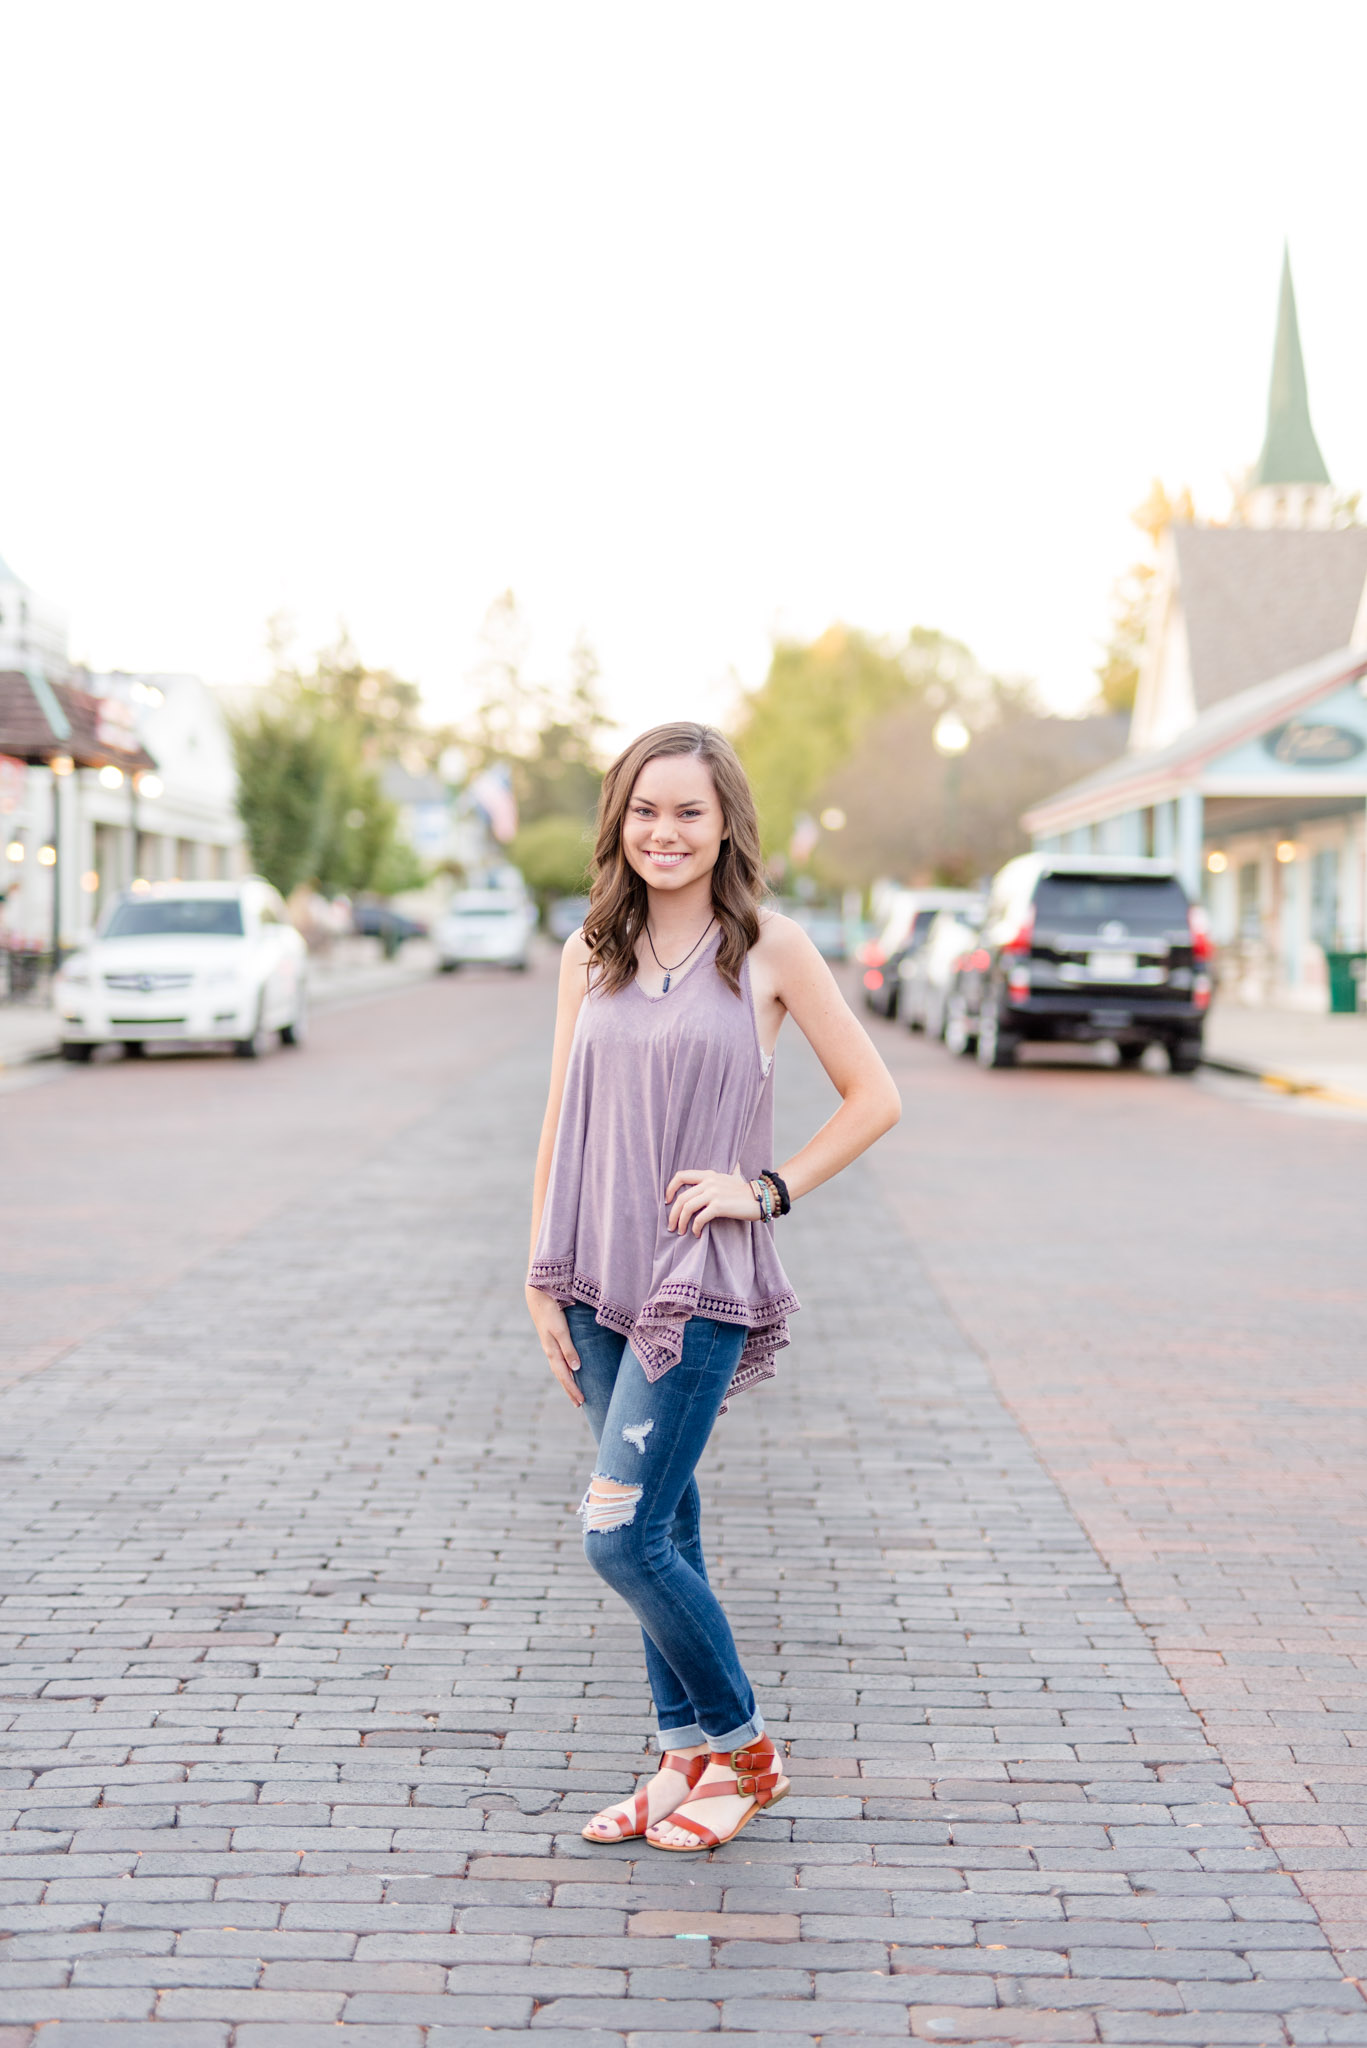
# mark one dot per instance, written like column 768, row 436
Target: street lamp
column 951, row 738
column 951, row 735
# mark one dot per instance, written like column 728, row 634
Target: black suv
column 1084, row 947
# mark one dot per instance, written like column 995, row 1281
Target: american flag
column 492, row 791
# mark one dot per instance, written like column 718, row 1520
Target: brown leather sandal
column 758, row 1777
column 689, row 1768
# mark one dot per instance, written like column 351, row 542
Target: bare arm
column 869, row 1101
column 792, row 975
column 546, row 1313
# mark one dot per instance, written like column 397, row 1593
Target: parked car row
column 1072, row 949
column 903, row 939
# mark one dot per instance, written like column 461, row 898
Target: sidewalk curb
column 336, row 999
column 1284, row 1084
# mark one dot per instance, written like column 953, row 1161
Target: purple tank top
column 657, row 1084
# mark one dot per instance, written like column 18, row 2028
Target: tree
column 307, row 755
column 560, row 776
column 1118, row 672
column 806, row 717
column 820, row 702
column 548, row 736
column 553, row 854
column 919, row 817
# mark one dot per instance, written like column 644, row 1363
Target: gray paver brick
column 342, row 1721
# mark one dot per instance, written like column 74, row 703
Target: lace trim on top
column 656, row 1334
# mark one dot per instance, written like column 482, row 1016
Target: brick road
column 308, row 1689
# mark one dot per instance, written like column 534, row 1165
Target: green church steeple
column 1291, row 454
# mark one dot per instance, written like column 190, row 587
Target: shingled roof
column 32, row 718
column 1259, row 601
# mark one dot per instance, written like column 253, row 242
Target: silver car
column 925, row 976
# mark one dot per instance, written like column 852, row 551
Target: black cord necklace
column 670, row 972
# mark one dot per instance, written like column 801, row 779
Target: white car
column 484, row 928
column 186, row 962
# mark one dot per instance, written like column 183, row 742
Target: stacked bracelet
column 772, row 1195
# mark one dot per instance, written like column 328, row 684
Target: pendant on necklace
column 665, row 990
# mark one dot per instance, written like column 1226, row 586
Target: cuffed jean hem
column 690, row 1737
column 738, row 1737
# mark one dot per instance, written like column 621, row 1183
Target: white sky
column 690, row 321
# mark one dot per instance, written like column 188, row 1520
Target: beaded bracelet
column 772, row 1195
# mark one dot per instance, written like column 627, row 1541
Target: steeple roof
column 1291, row 454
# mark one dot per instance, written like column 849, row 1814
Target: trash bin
column 1346, row 975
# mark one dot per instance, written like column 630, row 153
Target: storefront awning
column 40, row 719
column 1211, row 756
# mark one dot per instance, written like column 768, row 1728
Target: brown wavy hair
column 618, row 905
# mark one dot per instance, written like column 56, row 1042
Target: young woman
column 655, row 1286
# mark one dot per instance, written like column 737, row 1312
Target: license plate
column 1111, row 966
column 1111, row 1020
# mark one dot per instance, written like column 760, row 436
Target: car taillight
column 1200, row 991
column 1018, row 983
column 977, row 963
column 1202, row 946
column 873, row 979
column 1025, row 937
column 871, row 953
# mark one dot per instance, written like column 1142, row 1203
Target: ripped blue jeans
column 647, row 1544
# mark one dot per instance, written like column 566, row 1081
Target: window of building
column 1324, row 896
column 1250, row 915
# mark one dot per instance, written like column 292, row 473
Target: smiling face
column 674, row 824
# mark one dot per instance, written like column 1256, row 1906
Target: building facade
column 105, row 779
column 1247, row 758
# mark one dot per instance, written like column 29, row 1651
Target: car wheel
column 958, row 1036
column 297, row 1030
column 447, row 966
column 251, row 1048
column 133, row 1048
column 1184, row 1055
column 73, row 1049
column 1131, row 1055
column 996, row 1048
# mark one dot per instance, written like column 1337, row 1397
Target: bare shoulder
column 574, row 962
column 782, row 943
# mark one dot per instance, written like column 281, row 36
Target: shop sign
column 115, row 724
column 1300, row 744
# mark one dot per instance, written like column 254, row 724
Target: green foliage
column 819, row 699
column 549, row 737
column 847, row 725
column 553, row 854
column 309, row 792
